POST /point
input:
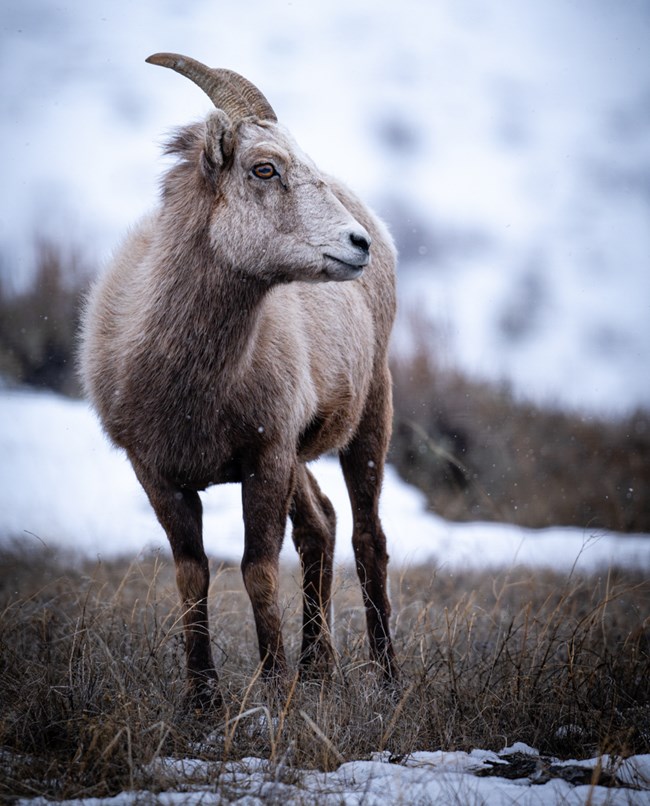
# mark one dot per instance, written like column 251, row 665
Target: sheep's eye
column 264, row 170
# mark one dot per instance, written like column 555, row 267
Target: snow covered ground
column 507, row 143
column 458, row 778
column 62, row 485
column 516, row 776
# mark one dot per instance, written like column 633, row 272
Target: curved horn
column 226, row 89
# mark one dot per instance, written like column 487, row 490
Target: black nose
column 360, row 241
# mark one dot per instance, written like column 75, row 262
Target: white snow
column 61, row 483
column 444, row 779
column 515, row 136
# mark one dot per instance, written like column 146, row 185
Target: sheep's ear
column 218, row 143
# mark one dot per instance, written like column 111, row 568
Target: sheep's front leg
column 180, row 514
column 267, row 488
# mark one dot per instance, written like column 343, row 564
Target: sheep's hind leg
column 180, row 513
column 363, row 467
column 314, row 530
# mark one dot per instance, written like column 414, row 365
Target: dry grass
column 478, row 453
column 91, row 667
column 38, row 323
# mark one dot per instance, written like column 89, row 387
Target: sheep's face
column 275, row 216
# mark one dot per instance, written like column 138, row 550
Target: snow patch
column 62, row 484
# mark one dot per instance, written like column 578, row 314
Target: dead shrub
column 478, row 453
column 38, row 324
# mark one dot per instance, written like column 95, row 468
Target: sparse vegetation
column 91, row 672
column 38, row 324
column 480, row 454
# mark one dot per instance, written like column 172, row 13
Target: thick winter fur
column 219, row 347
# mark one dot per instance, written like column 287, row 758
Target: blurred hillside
column 508, row 146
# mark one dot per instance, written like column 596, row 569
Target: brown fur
column 215, row 350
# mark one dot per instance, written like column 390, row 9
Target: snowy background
column 507, row 144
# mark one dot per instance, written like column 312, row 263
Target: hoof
column 317, row 663
column 388, row 668
column 203, row 697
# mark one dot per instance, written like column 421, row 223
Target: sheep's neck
column 212, row 311
column 232, row 320
column 219, row 320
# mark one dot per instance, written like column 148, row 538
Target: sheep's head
column 282, row 220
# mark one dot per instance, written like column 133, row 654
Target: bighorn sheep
column 215, row 350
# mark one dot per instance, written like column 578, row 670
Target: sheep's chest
column 197, row 438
